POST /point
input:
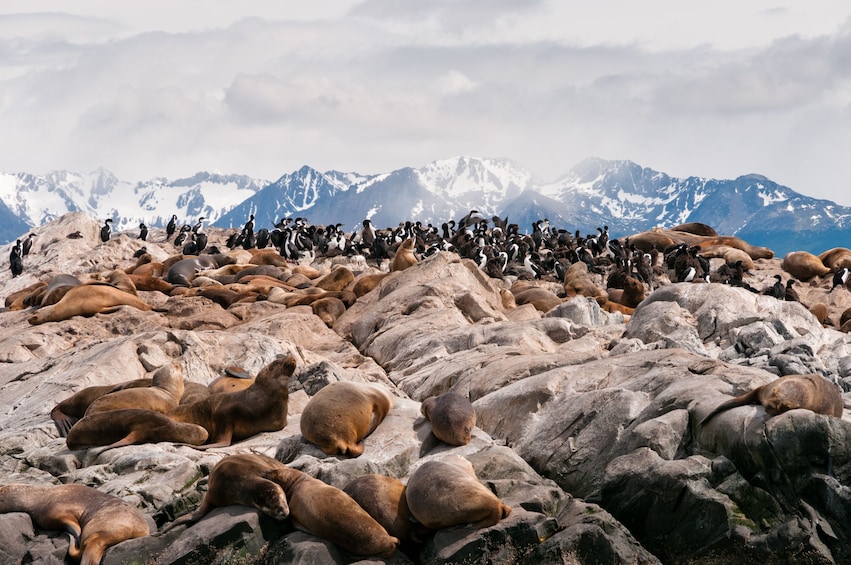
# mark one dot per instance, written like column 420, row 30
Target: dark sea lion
column 164, row 393
column 696, row 228
column 87, row 300
column 340, row 415
column 803, row 265
column 383, row 498
column 331, row 514
column 812, row 392
column 182, row 272
column 404, row 256
column 452, row 417
column 94, row 520
column 240, row 480
column 57, row 287
column 234, row 416
column 446, row 492
column 129, row 426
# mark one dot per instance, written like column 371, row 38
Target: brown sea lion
column 87, row 300
column 452, row 417
column 633, row 292
column 404, row 256
column 94, row 520
column 193, row 392
column 542, row 299
column 129, row 426
column 164, row 393
column 338, row 279
column 446, row 492
column 342, row 414
column 383, row 498
column 821, row 312
column 329, row 513
column 836, row 258
column 15, row 300
column 234, row 416
column 812, row 392
column 267, row 257
column 240, row 480
column 70, row 410
column 328, row 309
column 234, row 380
column 367, row 282
column 151, row 283
column 578, row 282
column 645, row 241
column 803, row 265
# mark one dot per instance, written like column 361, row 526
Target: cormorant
column 105, row 230
column 16, row 260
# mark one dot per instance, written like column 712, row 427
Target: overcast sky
column 172, row 87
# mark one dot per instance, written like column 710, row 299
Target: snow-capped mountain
column 620, row 194
column 35, row 200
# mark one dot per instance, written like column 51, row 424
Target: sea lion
column 542, row 299
column 234, row 380
column 94, row 520
column 87, row 300
column 803, row 265
column 338, row 279
column 15, row 300
column 821, row 312
column 240, row 480
column 150, row 283
column 69, row 411
column 452, row 417
column 128, row 426
column 328, row 309
column 182, row 272
column 446, row 492
column 234, row 416
column 163, row 394
column 812, row 392
column 383, row 498
column 836, row 258
column 366, row 282
column 696, row 228
column 404, row 256
column 578, row 282
column 329, row 513
column 57, row 287
column 267, row 257
column 340, row 415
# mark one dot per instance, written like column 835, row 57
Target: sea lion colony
column 541, row 269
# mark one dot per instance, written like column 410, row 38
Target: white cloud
column 261, row 88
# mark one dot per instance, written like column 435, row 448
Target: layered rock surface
column 586, row 424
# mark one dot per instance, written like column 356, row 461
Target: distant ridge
column 596, row 192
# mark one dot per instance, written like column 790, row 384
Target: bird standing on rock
column 105, row 230
column 16, row 260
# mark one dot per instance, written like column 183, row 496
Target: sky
column 168, row 88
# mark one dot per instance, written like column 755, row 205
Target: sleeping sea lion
column 812, row 392
column 94, row 520
column 340, row 415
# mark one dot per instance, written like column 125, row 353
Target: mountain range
column 620, row 194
